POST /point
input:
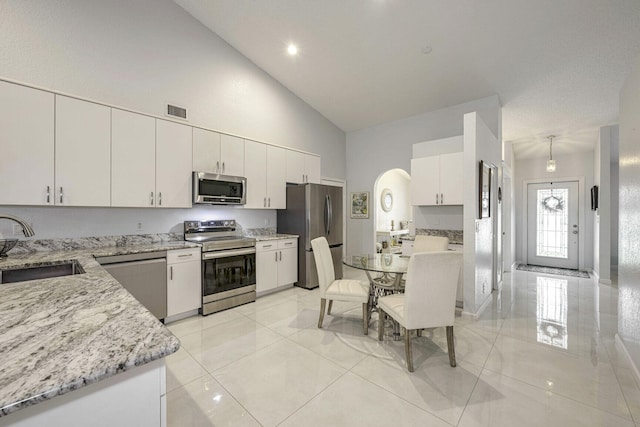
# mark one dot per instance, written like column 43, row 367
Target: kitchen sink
column 45, row 271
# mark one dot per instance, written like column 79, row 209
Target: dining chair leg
column 365, row 317
column 381, row 319
column 330, row 305
column 407, row 349
column 450, row 346
column 323, row 303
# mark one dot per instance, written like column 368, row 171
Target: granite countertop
column 276, row 236
column 63, row 333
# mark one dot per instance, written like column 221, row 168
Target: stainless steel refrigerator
column 313, row 210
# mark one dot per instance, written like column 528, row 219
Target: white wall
column 576, row 165
column 480, row 143
column 374, row 150
column 142, row 55
column 602, row 226
column 629, row 227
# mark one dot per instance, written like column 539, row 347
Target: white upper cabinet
column 82, row 153
column 302, row 167
column 255, row 160
column 312, row 168
column 216, row 153
column 173, row 164
column 266, row 176
column 133, row 159
column 437, row 180
column 276, row 177
column 206, row 151
column 26, row 145
column 232, row 155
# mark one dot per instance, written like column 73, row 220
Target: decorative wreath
column 553, row 204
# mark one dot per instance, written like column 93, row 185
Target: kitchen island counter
column 64, row 333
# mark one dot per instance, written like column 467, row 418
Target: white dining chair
column 430, row 244
column 338, row 290
column 429, row 300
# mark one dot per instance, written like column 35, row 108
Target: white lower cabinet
column 184, row 288
column 276, row 264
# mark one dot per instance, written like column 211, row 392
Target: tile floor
column 543, row 354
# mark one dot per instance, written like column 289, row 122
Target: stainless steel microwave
column 214, row 189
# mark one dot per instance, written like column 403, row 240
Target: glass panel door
column 552, row 224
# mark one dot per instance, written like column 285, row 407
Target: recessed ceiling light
column 292, row 49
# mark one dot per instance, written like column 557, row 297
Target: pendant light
column 551, row 164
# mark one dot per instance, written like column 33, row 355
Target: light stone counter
column 63, row 333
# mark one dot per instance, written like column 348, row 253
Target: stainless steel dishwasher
column 144, row 276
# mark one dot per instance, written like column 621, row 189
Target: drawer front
column 183, row 255
column 287, row 243
column 267, row 245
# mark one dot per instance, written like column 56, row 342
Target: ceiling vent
column 175, row 111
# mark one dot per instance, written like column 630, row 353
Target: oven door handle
column 224, row 254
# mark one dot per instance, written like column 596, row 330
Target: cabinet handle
column 269, row 203
column 151, row 198
column 218, row 166
column 288, row 244
column 441, row 199
column 61, row 195
column 280, row 255
column 265, row 202
column 436, row 198
column 276, row 256
column 222, row 167
column 171, row 273
column 160, row 198
column 185, row 255
column 267, row 246
column 48, row 194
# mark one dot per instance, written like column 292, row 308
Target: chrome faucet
column 26, row 228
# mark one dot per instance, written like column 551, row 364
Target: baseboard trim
column 480, row 310
column 597, row 278
column 622, row 348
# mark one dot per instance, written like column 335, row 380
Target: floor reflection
column 551, row 311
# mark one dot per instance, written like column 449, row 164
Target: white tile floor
column 543, row 354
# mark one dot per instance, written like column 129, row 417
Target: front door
column 552, row 222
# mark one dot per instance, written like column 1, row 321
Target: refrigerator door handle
column 330, row 204
column 327, row 204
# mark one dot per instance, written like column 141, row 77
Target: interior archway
column 391, row 202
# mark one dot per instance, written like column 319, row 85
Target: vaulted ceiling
column 557, row 66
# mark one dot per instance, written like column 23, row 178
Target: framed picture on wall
column 360, row 204
column 484, row 188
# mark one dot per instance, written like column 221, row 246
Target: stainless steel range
column 228, row 264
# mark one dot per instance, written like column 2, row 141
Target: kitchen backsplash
column 73, row 243
column 455, row 236
column 48, row 245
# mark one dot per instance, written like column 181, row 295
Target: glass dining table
column 385, row 272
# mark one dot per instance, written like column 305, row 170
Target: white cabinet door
column 451, row 179
column 287, row 261
column 173, row 164
column 232, row 155
column 133, row 159
column 256, row 173
column 26, row 145
column 206, row 151
column 82, row 153
column 266, row 268
column 425, row 187
column 184, row 288
column 312, row 168
column 276, row 178
column 295, row 167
